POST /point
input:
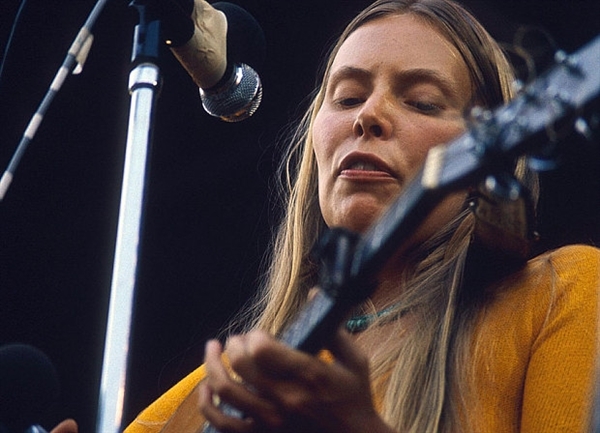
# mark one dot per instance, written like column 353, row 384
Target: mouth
column 364, row 166
column 356, row 165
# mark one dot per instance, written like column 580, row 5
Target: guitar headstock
column 521, row 127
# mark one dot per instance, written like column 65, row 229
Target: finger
column 258, row 356
column 67, row 426
column 274, row 369
column 222, row 422
column 221, row 384
column 220, row 381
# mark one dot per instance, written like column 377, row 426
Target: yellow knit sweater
column 534, row 351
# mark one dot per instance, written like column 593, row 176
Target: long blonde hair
column 421, row 365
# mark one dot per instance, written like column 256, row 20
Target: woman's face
column 396, row 88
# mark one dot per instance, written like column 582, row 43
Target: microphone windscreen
column 175, row 15
column 246, row 41
column 28, row 386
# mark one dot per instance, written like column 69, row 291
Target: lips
column 362, row 164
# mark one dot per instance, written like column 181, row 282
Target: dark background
column 209, row 210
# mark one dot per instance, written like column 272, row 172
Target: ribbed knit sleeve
column 537, row 347
column 155, row 416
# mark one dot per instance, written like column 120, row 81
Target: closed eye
column 425, row 107
column 348, row 102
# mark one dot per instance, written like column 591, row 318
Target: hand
column 67, row 426
column 289, row 391
column 210, row 40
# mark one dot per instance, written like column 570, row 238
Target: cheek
column 324, row 132
column 419, row 136
column 451, row 130
column 433, row 135
column 321, row 139
column 327, row 134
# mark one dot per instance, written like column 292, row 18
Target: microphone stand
column 144, row 86
column 72, row 64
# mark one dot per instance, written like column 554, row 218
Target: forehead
column 400, row 42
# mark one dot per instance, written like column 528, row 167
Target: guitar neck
column 499, row 138
column 319, row 319
column 503, row 135
column 316, row 323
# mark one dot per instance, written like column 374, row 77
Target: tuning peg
column 478, row 114
column 588, row 128
column 562, row 58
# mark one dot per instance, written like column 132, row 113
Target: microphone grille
column 237, row 98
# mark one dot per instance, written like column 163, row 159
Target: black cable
column 10, row 38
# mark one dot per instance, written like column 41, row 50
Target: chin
column 357, row 219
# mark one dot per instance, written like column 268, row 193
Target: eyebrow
column 348, row 72
column 417, row 75
column 406, row 78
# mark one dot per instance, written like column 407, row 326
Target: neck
column 391, row 280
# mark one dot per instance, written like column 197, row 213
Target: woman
column 437, row 355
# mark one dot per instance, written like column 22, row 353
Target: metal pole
column 144, row 84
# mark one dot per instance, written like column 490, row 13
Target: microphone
column 28, row 386
column 216, row 44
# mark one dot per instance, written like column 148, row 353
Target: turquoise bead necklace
column 356, row 324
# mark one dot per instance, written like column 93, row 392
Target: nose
column 374, row 118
